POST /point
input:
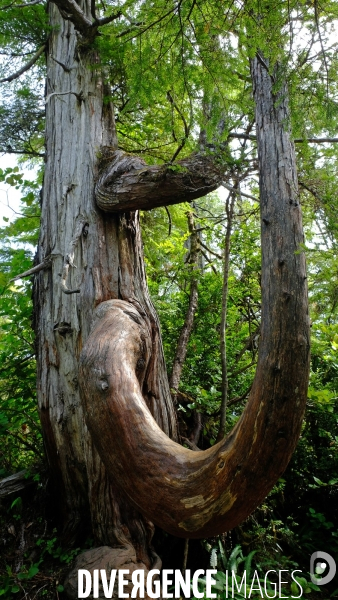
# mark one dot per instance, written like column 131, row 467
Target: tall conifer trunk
column 107, row 253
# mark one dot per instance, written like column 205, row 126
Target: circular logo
column 321, row 567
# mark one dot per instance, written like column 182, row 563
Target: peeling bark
column 197, row 494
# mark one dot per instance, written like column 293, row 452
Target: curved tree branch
column 128, row 183
column 27, row 5
column 26, row 67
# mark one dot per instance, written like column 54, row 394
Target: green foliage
column 169, row 280
column 241, row 578
column 20, row 432
column 47, row 552
column 22, row 122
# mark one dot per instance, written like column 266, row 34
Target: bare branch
column 170, row 220
column 238, row 192
column 242, row 370
column 311, row 190
column 240, row 398
column 210, row 262
column 182, row 344
column 321, row 140
column 10, row 150
column 26, row 67
column 191, row 445
column 13, row 5
column 15, row 483
column 45, row 264
column 65, row 68
column 211, row 251
column 106, row 20
column 71, row 11
column 79, row 96
column 173, row 9
column 186, row 127
column 229, row 207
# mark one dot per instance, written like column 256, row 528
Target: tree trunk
column 230, row 204
column 198, row 494
column 107, row 253
column 183, row 340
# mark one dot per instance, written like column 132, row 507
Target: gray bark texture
column 15, row 483
column 96, row 257
column 128, row 183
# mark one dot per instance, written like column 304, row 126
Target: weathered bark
column 182, row 344
column 15, row 483
column 128, row 183
column 196, row 494
column 107, row 252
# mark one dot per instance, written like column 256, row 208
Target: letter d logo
column 329, row 562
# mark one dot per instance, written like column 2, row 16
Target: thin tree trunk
column 183, row 340
column 230, row 203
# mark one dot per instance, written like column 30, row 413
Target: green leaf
column 33, row 571
column 17, row 503
column 319, row 481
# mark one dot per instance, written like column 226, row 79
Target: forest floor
column 34, row 561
